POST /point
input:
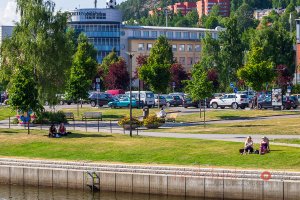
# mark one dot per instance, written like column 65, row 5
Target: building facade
column 5, row 31
column 102, row 27
column 204, row 7
column 185, row 42
column 181, row 7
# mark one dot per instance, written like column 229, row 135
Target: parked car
column 188, row 102
column 2, row 97
column 295, row 100
column 180, row 94
column 100, row 99
column 115, row 92
column 125, row 102
column 162, row 100
column 234, row 101
column 266, row 102
column 173, row 100
column 146, row 96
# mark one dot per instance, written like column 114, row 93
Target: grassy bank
column 288, row 141
column 285, row 126
column 121, row 148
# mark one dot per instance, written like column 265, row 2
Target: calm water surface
column 11, row 192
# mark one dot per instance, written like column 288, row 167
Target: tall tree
column 156, row 73
column 118, row 76
column 41, row 41
column 178, row 76
column 83, row 70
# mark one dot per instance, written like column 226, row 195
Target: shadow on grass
column 234, row 117
column 81, row 135
column 112, row 116
column 250, row 125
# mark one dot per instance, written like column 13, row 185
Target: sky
column 8, row 8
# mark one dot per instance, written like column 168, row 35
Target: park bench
column 92, row 115
column 171, row 117
column 69, row 115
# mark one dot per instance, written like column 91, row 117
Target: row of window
column 171, row 34
column 187, row 61
column 97, row 27
column 105, row 41
column 175, row 47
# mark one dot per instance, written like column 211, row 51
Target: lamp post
column 130, row 89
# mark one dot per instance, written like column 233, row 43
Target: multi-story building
column 182, row 7
column 297, row 69
column 204, row 7
column 185, row 42
column 259, row 14
column 102, row 27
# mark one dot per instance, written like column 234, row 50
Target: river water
column 12, row 192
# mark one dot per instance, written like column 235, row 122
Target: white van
column 146, row 96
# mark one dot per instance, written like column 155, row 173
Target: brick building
column 204, row 7
column 183, row 7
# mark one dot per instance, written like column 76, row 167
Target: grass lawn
column 285, row 126
column 232, row 114
column 142, row 150
column 288, row 141
column 6, row 112
column 108, row 113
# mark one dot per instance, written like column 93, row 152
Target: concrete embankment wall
column 190, row 182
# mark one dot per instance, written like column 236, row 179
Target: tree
column 42, row 42
column 118, row 76
column 257, row 70
column 283, row 77
column 111, row 58
column 83, row 70
column 156, row 73
column 213, row 76
column 23, row 93
column 245, row 17
column 178, row 75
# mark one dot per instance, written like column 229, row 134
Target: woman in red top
column 62, row 129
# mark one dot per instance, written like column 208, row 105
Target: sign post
column 98, row 90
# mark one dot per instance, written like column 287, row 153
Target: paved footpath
column 112, row 127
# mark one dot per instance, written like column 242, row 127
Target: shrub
column 50, row 117
column 126, row 121
column 153, row 121
column 15, row 121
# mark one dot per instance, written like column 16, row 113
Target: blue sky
column 8, row 7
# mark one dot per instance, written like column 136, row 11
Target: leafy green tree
column 245, row 17
column 83, row 70
column 257, row 71
column 23, row 93
column 43, row 42
column 199, row 87
column 156, row 72
column 111, row 58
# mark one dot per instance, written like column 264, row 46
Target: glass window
column 149, row 46
column 174, row 47
column 186, row 35
column 189, row 47
column 162, row 33
column 178, row 35
column 189, row 60
column 154, row 34
column 181, row 47
column 137, row 33
column 197, row 48
column 141, row 47
column 194, row 36
column 182, row 60
column 146, row 34
column 170, row 34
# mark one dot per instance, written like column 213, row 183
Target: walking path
column 112, row 127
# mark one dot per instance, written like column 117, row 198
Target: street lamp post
column 130, row 93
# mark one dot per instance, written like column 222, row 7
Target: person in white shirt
column 162, row 113
column 248, row 148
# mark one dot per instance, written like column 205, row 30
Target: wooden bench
column 69, row 115
column 171, row 117
column 92, row 115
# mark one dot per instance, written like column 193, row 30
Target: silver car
column 162, row 100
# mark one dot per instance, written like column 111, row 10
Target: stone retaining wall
column 191, row 182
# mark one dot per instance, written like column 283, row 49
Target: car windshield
column 149, row 95
column 243, row 96
column 176, row 97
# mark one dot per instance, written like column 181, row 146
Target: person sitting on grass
column 264, row 146
column 248, row 148
column 62, row 129
column 52, row 131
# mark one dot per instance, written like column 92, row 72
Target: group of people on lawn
column 263, row 149
column 56, row 134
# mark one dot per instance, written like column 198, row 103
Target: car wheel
column 295, row 107
column 242, row 107
column 222, row 107
column 214, row 105
column 61, row 102
column 93, row 103
column 234, row 106
column 288, row 108
column 69, row 103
